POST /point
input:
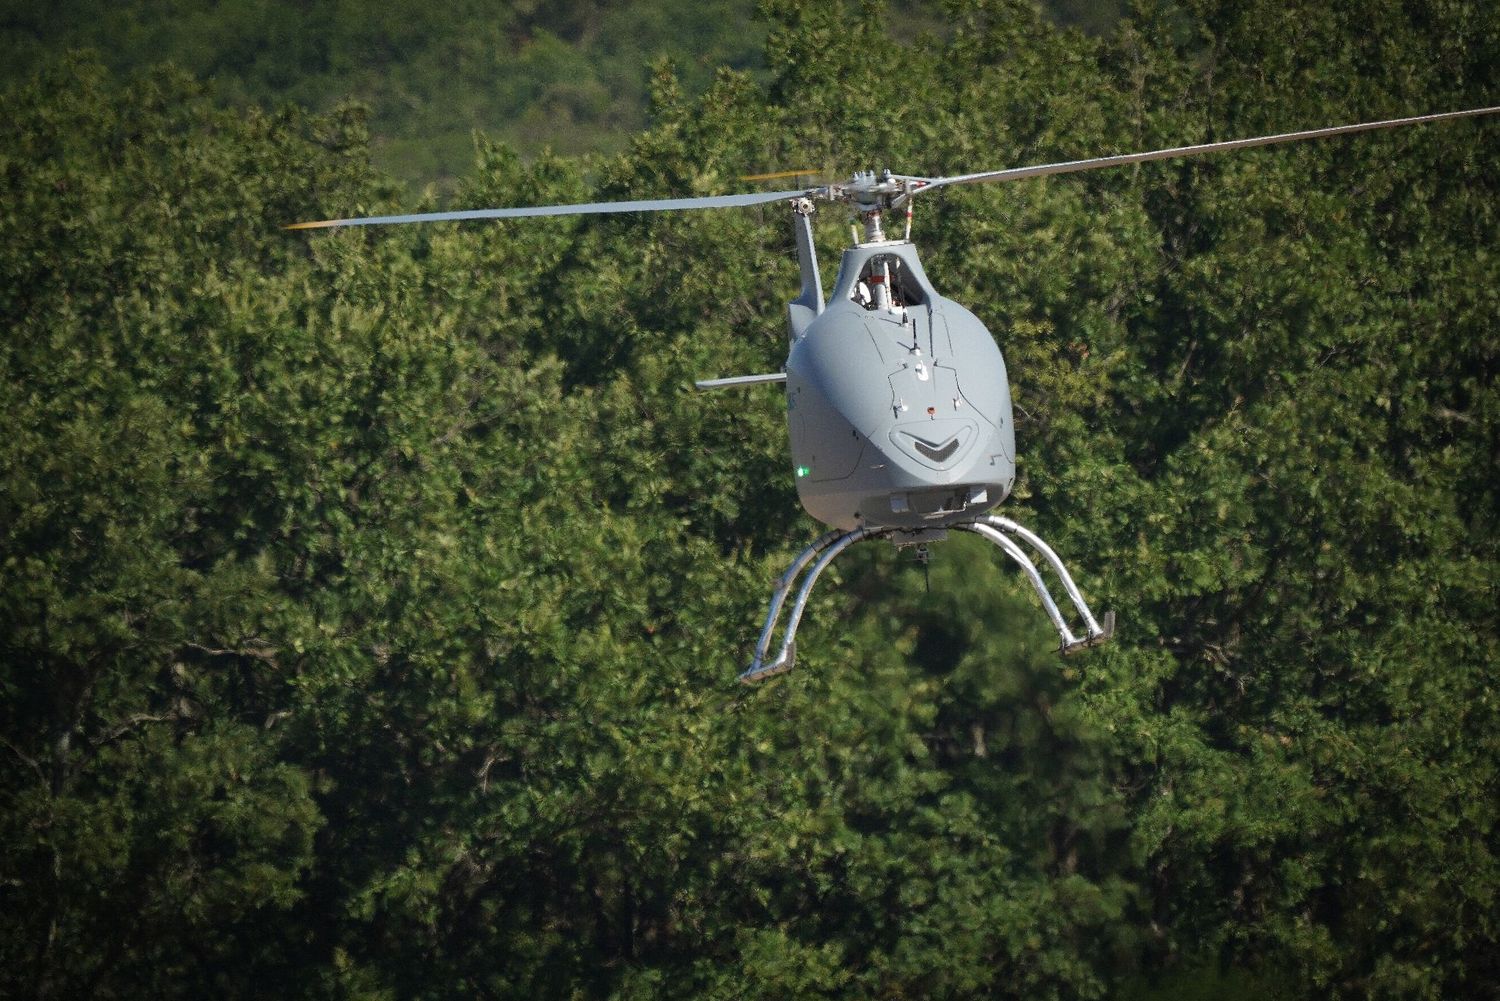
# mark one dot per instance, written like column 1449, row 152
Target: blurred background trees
column 372, row 600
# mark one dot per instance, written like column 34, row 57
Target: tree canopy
column 372, row 601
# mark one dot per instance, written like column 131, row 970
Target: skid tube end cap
column 759, row 672
column 1104, row 635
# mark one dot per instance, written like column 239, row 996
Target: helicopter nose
column 938, row 444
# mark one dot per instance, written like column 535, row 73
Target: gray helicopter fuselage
column 898, row 407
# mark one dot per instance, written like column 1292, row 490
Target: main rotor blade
column 588, row 208
column 741, row 380
column 1073, row 166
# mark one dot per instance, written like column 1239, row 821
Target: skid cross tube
column 824, row 550
column 1002, row 532
column 757, row 669
column 1035, row 541
column 998, row 530
column 1016, row 553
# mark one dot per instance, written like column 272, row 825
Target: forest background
column 371, row 602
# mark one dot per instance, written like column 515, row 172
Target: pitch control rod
column 998, row 530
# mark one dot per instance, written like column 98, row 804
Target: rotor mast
column 870, row 195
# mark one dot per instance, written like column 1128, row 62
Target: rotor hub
column 867, row 191
column 870, row 195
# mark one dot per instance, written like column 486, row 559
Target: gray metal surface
column 898, row 416
column 808, row 305
column 828, row 546
column 1014, row 552
column 759, row 667
column 1098, row 163
column 741, row 380
column 997, row 530
column 823, row 550
column 870, row 194
column 1035, row 541
column 586, row 208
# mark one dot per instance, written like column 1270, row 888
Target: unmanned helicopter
column 898, row 404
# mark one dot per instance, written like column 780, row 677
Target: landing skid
column 812, row 561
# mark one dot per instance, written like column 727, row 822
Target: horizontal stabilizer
column 740, row 380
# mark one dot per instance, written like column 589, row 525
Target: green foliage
column 563, row 75
column 371, row 601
